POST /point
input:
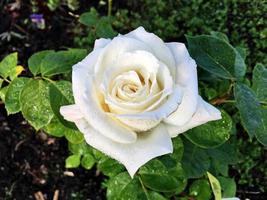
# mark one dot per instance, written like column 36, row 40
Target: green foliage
column 50, row 63
column 72, row 161
column 163, row 175
column 251, row 165
column 123, row 187
column 55, row 128
column 228, row 186
column 210, row 53
column 259, row 81
column 253, row 116
column 211, row 134
column 54, row 4
column 35, row 61
column 195, row 161
column 242, row 21
column 3, row 93
column 61, row 61
column 200, row 189
column 73, row 136
column 216, row 186
column 12, row 98
column 109, row 166
column 8, row 66
column 97, row 27
column 88, row 161
column 60, row 93
column 35, row 105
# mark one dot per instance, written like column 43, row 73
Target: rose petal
column 130, row 61
column 186, row 77
column 148, row 145
column 162, row 111
column 205, row 112
column 157, row 45
column 101, row 43
column 113, row 50
column 71, row 112
column 86, row 98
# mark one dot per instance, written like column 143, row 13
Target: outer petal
column 186, row 77
column 157, row 45
column 86, row 98
column 204, row 113
column 101, row 43
column 71, row 112
column 149, row 145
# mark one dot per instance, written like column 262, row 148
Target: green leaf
column 228, row 186
column 60, row 94
column 210, row 93
column 215, row 185
column 1, row 82
column 260, row 82
column 98, row 154
column 61, row 61
column 221, row 157
column 3, row 93
column 163, row 175
column 73, row 136
column 73, row 4
column 109, row 166
column 53, row 4
column 195, row 160
column 178, row 149
column 88, row 161
column 123, row 187
column 253, row 116
column 89, row 18
column 155, row 196
column 211, row 134
column 104, row 28
column 8, row 65
column 242, row 51
column 81, row 148
column 35, row 104
column 72, row 161
column 34, row 62
column 225, row 153
column 220, row 35
column 55, row 128
column 12, row 99
column 210, row 53
column 200, row 190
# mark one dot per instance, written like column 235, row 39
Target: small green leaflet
column 216, row 187
column 72, row 161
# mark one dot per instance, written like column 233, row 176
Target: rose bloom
column 133, row 94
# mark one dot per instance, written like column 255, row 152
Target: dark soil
column 33, row 162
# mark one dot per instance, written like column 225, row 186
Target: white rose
column 133, row 94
